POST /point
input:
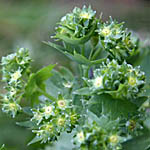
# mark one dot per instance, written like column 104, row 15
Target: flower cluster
column 14, row 67
column 78, row 26
column 94, row 137
column 121, row 81
column 116, row 40
column 105, row 109
column 52, row 118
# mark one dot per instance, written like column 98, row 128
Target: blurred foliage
column 28, row 23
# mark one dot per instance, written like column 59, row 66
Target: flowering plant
column 103, row 106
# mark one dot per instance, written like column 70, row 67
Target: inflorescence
column 110, row 75
column 121, row 81
column 53, row 118
column 15, row 69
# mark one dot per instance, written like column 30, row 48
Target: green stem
column 47, row 95
column 83, row 50
column 91, row 53
column 99, row 61
column 80, row 70
column 96, row 53
column 87, row 71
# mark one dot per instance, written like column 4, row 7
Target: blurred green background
column 26, row 23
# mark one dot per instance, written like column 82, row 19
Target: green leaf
column 105, row 104
column 99, row 61
column 83, row 91
column 56, row 79
column 57, row 47
column 138, row 143
column 103, row 121
column 76, row 57
column 34, row 140
column 36, row 84
column 28, row 124
column 43, row 74
column 81, row 59
column 76, row 41
column 67, row 74
column 140, row 100
column 64, row 143
column 52, row 88
column 27, row 110
column 55, row 85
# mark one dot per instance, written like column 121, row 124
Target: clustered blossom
column 92, row 136
column 14, row 66
column 116, row 40
column 121, row 81
column 77, row 24
column 98, row 124
column 81, row 25
column 52, row 118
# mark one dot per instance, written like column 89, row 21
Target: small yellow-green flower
column 85, row 15
column 15, row 76
column 11, row 108
column 80, row 137
column 114, row 139
column 48, row 127
column 62, row 104
column 106, row 31
column 132, row 81
column 48, row 109
column 12, row 92
column 61, row 121
column 98, row 82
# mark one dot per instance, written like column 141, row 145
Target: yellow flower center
column 61, row 103
column 130, row 70
column 98, row 82
column 48, row 127
column 15, row 76
column 132, row 81
column 113, row 139
column 48, row 109
column 61, row 121
column 106, row 31
column 13, row 106
column 85, row 15
column 81, row 137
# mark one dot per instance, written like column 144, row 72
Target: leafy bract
column 116, row 108
column 36, row 84
column 138, row 143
